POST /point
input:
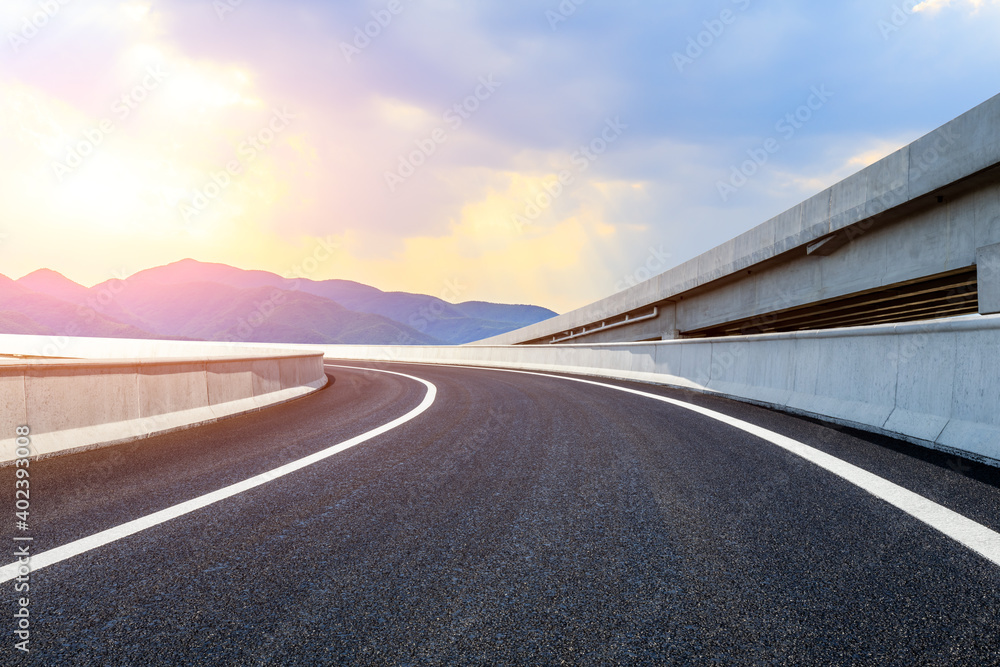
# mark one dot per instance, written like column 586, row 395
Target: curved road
column 516, row 519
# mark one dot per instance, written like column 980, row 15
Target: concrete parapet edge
column 79, row 404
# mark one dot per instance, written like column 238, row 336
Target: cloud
column 937, row 5
column 352, row 122
column 556, row 260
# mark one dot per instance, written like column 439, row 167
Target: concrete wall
column 82, row 403
column 988, row 270
column 945, row 236
column 125, row 348
column 936, row 240
column 665, row 322
column 932, row 383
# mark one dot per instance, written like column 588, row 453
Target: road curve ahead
column 489, row 517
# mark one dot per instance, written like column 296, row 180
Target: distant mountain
column 11, row 287
column 203, row 301
column 518, row 314
column 448, row 323
column 16, row 323
column 47, row 281
column 51, row 314
column 97, row 300
column 211, row 311
column 311, row 319
column 193, row 271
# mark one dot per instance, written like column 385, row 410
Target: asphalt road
column 519, row 520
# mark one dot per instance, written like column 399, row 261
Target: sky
column 549, row 152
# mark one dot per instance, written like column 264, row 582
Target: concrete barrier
column 74, row 404
column 63, row 347
column 934, row 383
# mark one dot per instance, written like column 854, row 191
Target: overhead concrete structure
column 907, row 238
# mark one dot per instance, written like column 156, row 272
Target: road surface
column 511, row 519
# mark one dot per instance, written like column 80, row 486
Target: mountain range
column 203, row 301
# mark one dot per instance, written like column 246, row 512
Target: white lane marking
column 965, row 531
column 52, row 556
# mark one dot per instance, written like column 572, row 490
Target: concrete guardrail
column 934, row 383
column 74, row 404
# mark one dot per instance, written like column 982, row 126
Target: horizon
column 538, row 169
column 442, row 296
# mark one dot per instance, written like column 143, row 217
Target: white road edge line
column 965, row 531
column 83, row 545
